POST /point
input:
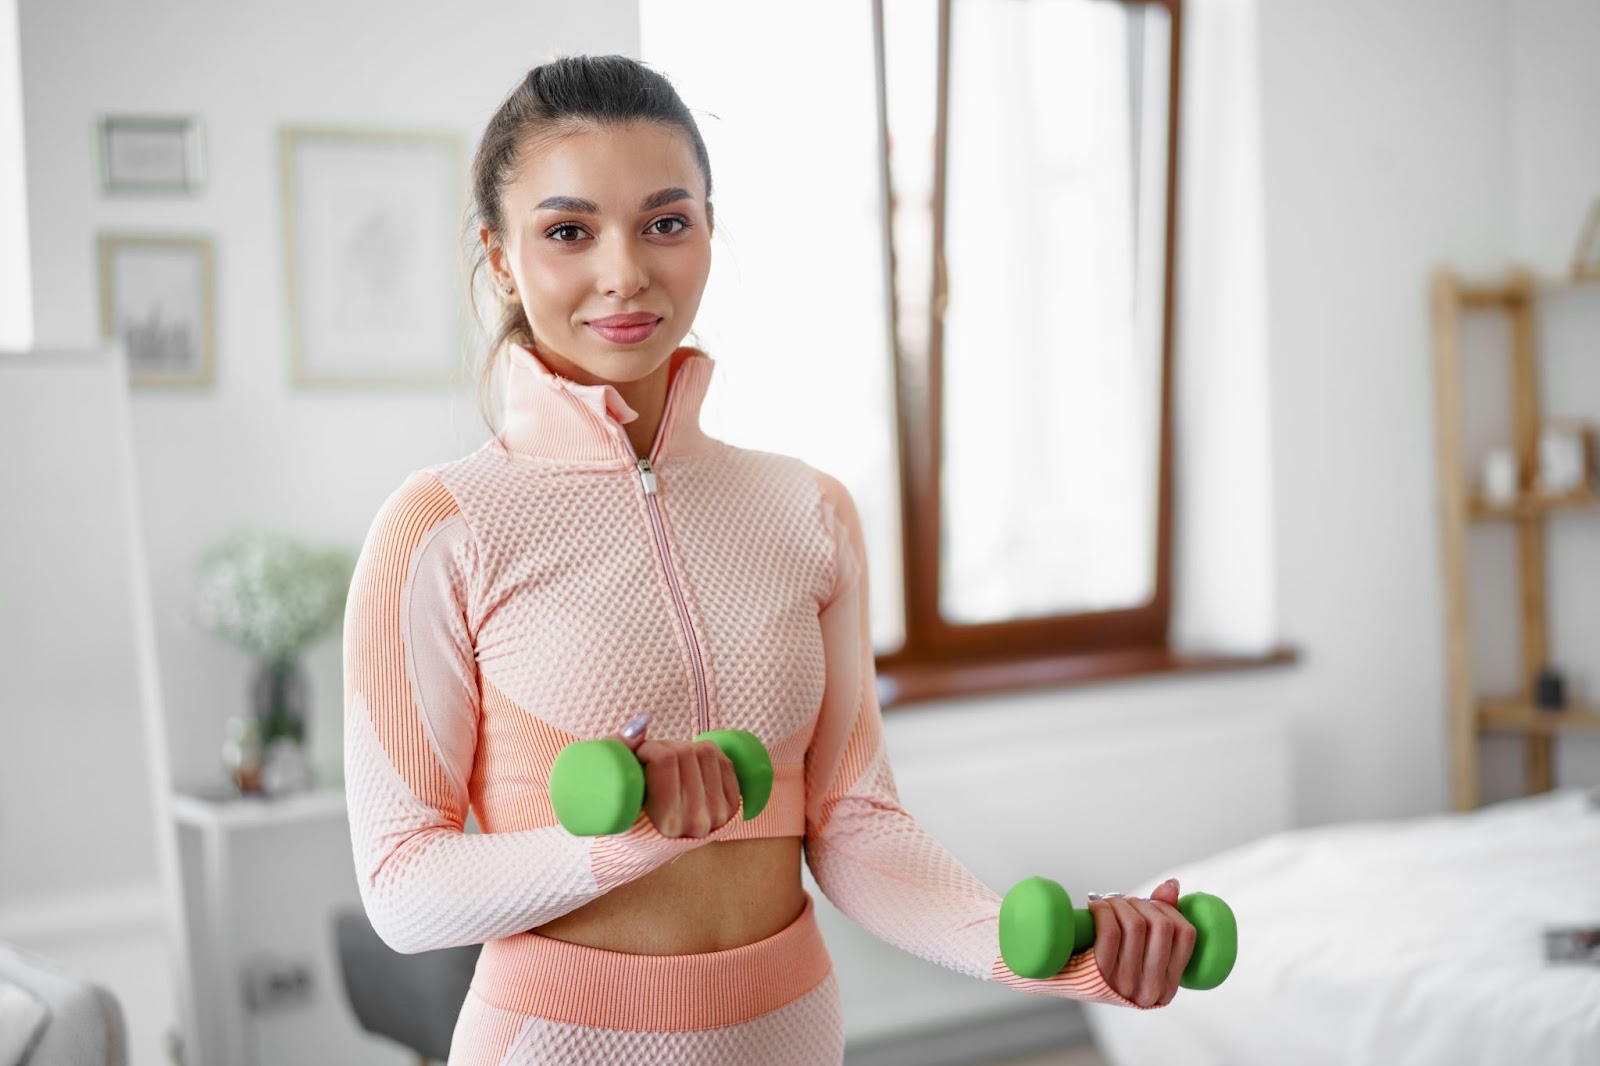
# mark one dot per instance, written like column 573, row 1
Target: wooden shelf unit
column 1516, row 715
column 1472, row 716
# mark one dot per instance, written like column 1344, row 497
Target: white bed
column 1412, row 942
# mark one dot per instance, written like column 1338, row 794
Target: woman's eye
column 555, row 232
column 683, row 224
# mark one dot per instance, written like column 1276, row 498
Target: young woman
column 602, row 560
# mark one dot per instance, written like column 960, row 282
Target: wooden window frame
column 941, row 660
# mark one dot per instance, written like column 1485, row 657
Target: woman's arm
column 412, row 701
column 868, row 855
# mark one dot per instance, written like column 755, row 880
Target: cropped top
column 548, row 587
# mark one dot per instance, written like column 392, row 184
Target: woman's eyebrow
column 578, row 205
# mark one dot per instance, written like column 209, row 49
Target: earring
column 507, row 289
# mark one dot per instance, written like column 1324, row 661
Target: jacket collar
column 552, row 417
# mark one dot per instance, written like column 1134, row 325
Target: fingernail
column 635, row 727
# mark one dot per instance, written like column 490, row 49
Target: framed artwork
column 157, row 295
column 373, row 244
column 148, row 154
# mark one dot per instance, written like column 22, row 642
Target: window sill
column 904, row 684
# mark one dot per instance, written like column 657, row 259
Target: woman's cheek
column 688, row 265
column 550, row 281
column 545, row 269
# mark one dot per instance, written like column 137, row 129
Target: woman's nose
column 622, row 271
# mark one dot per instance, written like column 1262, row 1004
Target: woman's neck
column 647, row 396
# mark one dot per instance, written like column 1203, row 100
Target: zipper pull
column 648, row 475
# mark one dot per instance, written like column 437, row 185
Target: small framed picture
column 374, row 243
column 157, row 296
column 143, row 154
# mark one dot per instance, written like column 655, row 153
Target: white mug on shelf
column 1500, row 475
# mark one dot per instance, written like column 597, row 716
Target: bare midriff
column 723, row 895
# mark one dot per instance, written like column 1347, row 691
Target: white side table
column 218, row 984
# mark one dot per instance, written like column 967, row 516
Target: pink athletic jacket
column 522, row 597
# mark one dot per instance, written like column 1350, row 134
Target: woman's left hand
column 1142, row 945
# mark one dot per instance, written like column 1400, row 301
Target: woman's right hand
column 1142, row 945
column 690, row 789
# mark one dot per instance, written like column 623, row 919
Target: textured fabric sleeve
column 868, row 855
column 412, row 702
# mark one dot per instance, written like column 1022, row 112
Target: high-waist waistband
column 553, row 979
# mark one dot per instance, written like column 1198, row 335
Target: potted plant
column 273, row 594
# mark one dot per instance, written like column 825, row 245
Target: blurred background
column 1217, row 381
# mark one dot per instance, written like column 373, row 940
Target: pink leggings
column 535, row 999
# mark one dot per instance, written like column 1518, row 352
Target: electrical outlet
column 272, row 983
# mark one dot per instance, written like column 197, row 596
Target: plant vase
column 278, row 698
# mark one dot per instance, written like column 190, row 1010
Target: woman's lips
column 625, row 334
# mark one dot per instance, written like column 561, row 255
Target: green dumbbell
column 597, row 786
column 1040, row 929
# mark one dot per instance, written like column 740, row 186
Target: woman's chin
column 632, row 362
column 624, row 365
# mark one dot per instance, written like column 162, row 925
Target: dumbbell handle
column 597, row 787
column 1040, row 929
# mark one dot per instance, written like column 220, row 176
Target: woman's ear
column 711, row 218
column 495, row 254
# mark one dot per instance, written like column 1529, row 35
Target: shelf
column 1479, row 508
column 227, row 812
column 1517, row 296
column 1502, row 295
column 1515, row 716
column 1560, row 283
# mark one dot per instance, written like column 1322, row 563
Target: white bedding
column 1413, row 942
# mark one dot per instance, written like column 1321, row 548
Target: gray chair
column 52, row 1017
column 413, row 999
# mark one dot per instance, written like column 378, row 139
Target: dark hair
column 563, row 96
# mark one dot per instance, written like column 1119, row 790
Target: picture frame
column 373, row 247
column 151, row 155
column 158, row 297
column 1586, row 256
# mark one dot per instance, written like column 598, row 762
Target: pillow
column 22, row 1020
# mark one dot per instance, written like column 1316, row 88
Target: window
column 950, row 226
column 16, row 289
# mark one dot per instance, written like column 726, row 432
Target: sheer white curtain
column 795, row 311
column 1055, row 244
column 16, row 290
column 1225, row 598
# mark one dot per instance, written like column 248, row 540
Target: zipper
column 647, row 477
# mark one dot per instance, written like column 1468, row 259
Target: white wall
column 1384, row 154
column 1555, row 84
column 1555, row 178
column 1396, row 137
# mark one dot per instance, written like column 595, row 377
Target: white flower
column 271, row 593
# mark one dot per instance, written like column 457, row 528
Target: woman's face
column 600, row 223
